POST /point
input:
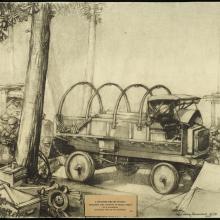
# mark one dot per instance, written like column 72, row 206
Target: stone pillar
column 213, row 124
column 3, row 100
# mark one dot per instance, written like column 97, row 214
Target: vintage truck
column 169, row 136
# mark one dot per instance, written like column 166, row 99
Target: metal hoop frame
column 122, row 94
column 144, row 98
column 97, row 93
column 119, row 100
column 63, row 98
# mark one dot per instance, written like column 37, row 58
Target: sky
column 175, row 44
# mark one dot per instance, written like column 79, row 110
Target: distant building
column 11, row 99
column 214, row 99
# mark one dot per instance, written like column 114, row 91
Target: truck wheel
column 164, row 178
column 127, row 170
column 79, row 166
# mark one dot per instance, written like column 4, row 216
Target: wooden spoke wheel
column 79, row 166
column 127, row 170
column 164, row 178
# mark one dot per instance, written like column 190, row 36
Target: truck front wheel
column 79, row 166
column 164, row 178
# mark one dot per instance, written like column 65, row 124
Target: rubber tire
column 176, row 180
column 90, row 163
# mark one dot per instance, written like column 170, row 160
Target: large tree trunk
column 31, row 119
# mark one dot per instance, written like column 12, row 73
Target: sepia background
column 175, row 44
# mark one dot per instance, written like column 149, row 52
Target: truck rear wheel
column 164, row 178
column 79, row 166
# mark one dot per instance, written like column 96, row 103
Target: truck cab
column 178, row 118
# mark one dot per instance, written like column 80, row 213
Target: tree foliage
column 11, row 13
column 87, row 9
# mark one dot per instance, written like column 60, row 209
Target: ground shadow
column 140, row 178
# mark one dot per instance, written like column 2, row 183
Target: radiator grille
column 202, row 140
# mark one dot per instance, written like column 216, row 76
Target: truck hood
column 189, row 116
